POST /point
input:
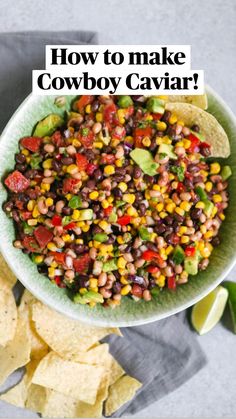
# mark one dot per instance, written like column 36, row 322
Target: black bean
column 138, row 196
column 96, row 207
column 50, row 195
column 166, row 116
column 196, row 213
column 115, row 229
column 7, row 206
column 42, row 269
column 160, row 134
column 135, row 97
column 107, row 149
column 215, row 241
column 96, row 229
column 20, row 158
column 95, row 105
column 149, row 179
column 15, row 216
column 118, row 178
column 117, row 192
column 31, row 193
column 117, row 287
column 142, row 209
column 111, row 239
column 136, row 253
column 90, row 184
column 179, row 218
column 67, row 161
column 130, row 170
column 128, row 248
column 137, row 280
column 21, row 167
column 67, row 211
column 195, row 128
column 121, row 170
column 89, row 154
column 79, row 248
column 168, row 220
column 153, row 145
column 170, row 131
column 83, row 281
column 23, row 197
column 56, row 165
column 205, row 151
column 98, row 175
column 159, row 229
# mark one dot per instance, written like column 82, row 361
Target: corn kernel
column 149, row 118
column 110, row 199
column 163, row 214
column 146, row 142
column 98, row 144
column 222, row 216
column 156, row 187
column 88, row 109
column 163, row 189
column 92, row 304
column 119, row 163
column 217, row 198
column 171, row 176
column 184, row 239
column 83, row 291
column 201, row 245
column 205, row 253
column 122, row 186
column 128, row 197
column 45, row 187
column 208, row 234
column 120, row 240
column 47, row 164
column 76, row 215
column 32, row 222
column 49, row 202
column 215, row 168
column 204, row 173
column 185, row 205
column 161, row 126
column 203, row 229
column 86, row 228
column 186, row 143
column 94, row 195
column 170, row 208
column 179, row 144
column 30, row 205
column 132, row 212
column 103, row 224
column 214, row 212
column 72, row 168
column 99, row 117
column 121, row 263
column 126, row 290
column 51, row 272
column 160, row 207
column 80, row 241
column 161, row 281
column 25, row 152
column 109, row 169
column 105, row 204
column 76, row 143
column 208, row 186
column 121, row 116
column 169, row 249
column 122, row 272
column 182, row 230
column 93, row 282
column 38, row 259
column 54, row 264
column 173, row 119
column 200, row 204
column 95, row 244
column 123, row 280
column 66, row 237
column 51, row 246
column 36, row 212
column 179, row 211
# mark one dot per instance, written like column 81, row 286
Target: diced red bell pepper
column 190, row 251
column 180, row 187
column 57, row 139
column 124, row 220
column 156, row 116
column 107, row 159
column 59, row 257
column 150, row 255
column 137, row 291
column 19, row 204
column 31, row 143
column 83, row 101
column 70, row 226
column 56, row 220
column 152, row 269
column 30, row 244
column 81, row 264
column 91, row 167
column 69, row 185
column 109, row 112
column 86, row 139
column 43, row 236
column 195, row 142
column 171, row 283
column 143, row 132
column 81, row 161
column 17, row 182
column 107, row 211
column 59, row 282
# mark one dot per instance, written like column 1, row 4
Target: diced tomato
column 19, row 204
column 143, row 132
column 118, row 132
column 57, row 139
column 156, row 116
column 81, row 161
column 152, row 269
column 129, row 111
column 30, row 244
column 31, row 143
column 91, row 167
column 43, row 236
column 56, row 220
column 59, row 257
column 58, row 281
column 69, row 185
column 83, row 101
column 171, row 283
column 107, row 159
column 150, row 255
column 174, row 238
column 190, row 250
column 107, row 211
column 70, row 226
column 26, row 215
column 195, row 142
column 86, row 139
column 17, row 182
column 81, row 264
column 205, row 149
column 137, row 291
column 109, row 112
column 124, row 220
column 180, row 187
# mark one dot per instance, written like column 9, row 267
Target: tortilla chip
column 38, row 347
column 17, row 395
column 197, row 100
column 116, row 372
column 80, row 381
column 120, row 393
column 209, row 126
column 6, row 275
column 36, row 398
column 66, row 336
column 16, row 353
column 8, row 316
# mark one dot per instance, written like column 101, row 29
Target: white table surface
column 209, row 26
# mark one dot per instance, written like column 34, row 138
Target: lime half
column 207, row 312
column 231, row 287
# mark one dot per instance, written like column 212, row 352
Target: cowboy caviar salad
column 119, row 198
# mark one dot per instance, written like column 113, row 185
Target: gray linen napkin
column 162, row 355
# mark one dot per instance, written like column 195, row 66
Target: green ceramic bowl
column 130, row 313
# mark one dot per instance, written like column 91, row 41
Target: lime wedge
column 207, row 312
column 231, row 287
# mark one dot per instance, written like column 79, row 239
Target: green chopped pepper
column 144, row 233
column 100, row 237
column 75, row 202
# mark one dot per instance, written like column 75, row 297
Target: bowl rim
column 56, row 305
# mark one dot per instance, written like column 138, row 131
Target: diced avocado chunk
column 110, row 265
column 125, row 101
column 191, row 264
column 155, row 105
column 88, row 297
column 200, row 136
column 145, row 161
column 100, row 237
column 226, row 172
column 201, row 193
column 208, row 207
column 178, row 255
column 48, row 125
column 168, row 150
column 112, row 217
column 86, row 215
column 144, row 233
